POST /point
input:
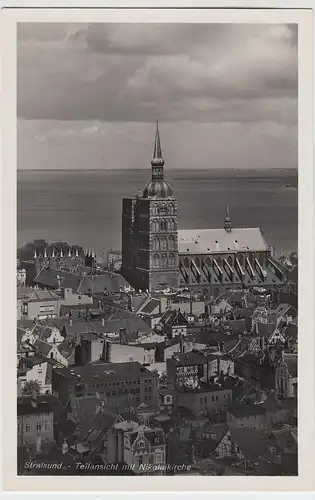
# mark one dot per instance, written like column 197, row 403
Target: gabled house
column 50, row 351
column 142, row 448
column 174, row 323
column 37, row 369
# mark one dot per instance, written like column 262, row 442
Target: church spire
column 227, row 222
column 157, row 160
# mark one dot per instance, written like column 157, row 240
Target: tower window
column 164, row 243
column 163, row 225
column 172, row 260
column 171, row 242
column 156, row 260
column 164, row 260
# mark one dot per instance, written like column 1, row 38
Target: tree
column 29, row 387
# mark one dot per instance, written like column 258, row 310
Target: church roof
column 207, row 241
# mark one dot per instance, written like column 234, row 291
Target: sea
column 84, row 206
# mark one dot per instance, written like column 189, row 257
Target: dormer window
column 141, row 444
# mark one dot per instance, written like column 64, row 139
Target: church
column 156, row 254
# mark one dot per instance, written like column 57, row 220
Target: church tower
column 149, row 231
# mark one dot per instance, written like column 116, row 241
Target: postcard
column 159, row 249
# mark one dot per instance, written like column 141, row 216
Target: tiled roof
column 110, row 282
column 104, row 371
column 217, row 433
column 241, row 411
column 174, row 317
column 66, row 350
column 203, row 241
column 43, row 295
column 48, row 277
column 150, row 306
column 25, row 406
column 42, row 348
column 25, row 324
column 23, row 292
column 253, row 443
column 189, row 358
column 285, row 441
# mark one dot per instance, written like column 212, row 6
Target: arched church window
column 172, row 260
column 164, row 260
column 156, row 244
column 171, row 209
column 164, row 243
column 155, row 225
column 171, row 225
column 163, row 209
column 163, row 225
column 156, row 260
column 171, row 242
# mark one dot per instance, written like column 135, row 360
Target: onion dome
column 158, row 189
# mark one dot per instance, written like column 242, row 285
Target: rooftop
column 206, row 241
column 104, row 370
column 27, row 406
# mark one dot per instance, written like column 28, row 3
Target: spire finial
column 227, row 222
column 157, row 160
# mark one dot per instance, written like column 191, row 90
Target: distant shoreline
column 293, row 169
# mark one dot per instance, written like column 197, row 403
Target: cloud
column 118, row 72
column 87, row 92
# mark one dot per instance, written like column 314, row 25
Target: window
column 164, row 260
column 155, row 225
column 171, row 225
column 46, row 308
column 163, row 210
column 158, row 457
column 27, row 427
column 163, row 225
column 171, row 242
column 141, row 444
column 156, row 260
column 171, row 209
column 164, row 243
column 172, row 260
column 38, row 426
column 19, row 428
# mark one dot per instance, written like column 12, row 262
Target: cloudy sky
column 225, row 94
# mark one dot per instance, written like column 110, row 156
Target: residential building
column 107, row 379
column 141, row 448
column 34, row 421
column 42, row 304
column 37, row 369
